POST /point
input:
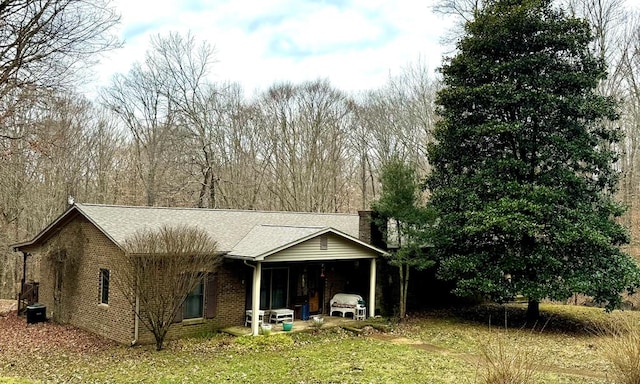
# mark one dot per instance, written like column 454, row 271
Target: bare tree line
column 165, row 134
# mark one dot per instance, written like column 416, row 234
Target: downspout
column 136, row 320
column 255, row 296
column 24, row 272
column 23, row 282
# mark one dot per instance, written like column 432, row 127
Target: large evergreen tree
column 523, row 165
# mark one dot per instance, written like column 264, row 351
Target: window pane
column 104, row 286
column 193, row 304
column 279, row 288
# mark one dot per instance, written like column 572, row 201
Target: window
column 104, row 286
column 194, row 303
column 274, row 289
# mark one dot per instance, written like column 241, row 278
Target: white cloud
column 353, row 43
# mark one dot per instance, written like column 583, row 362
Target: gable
column 300, row 243
column 337, row 248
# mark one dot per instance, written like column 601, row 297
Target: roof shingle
column 227, row 227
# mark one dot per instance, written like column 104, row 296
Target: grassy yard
column 566, row 346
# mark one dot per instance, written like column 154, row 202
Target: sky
column 356, row 44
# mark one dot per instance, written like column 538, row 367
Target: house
column 271, row 260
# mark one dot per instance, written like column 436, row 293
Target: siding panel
column 338, row 248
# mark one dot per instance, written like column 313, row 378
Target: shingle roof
column 263, row 239
column 227, row 227
column 239, row 234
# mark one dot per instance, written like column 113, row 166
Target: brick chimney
column 369, row 231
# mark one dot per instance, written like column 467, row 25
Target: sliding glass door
column 274, row 288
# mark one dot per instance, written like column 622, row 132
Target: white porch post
column 255, row 298
column 372, row 289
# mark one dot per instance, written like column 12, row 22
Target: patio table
column 280, row 315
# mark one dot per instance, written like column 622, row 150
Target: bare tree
column 141, row 100
column 630, row 119
column 159, row 269
column 217, row 124
column 307, row 129
column 106, row 166
column 43, row 44
column 183, row 66
column 395, row 121
column 38, row 172
column 242, row 153
column 465, row 9
column 45, row 47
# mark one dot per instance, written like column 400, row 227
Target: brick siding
column 79, row 303
column 230, row 306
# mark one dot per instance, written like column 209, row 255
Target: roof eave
column 64, row 218
column 46, row 232
column 240, row 257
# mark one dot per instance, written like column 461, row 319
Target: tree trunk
column 404, row 287
column 533, row 310
column 159, row 334
column 159, row 342
column 406, row 290
column 401, row 282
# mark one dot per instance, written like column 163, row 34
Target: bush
column 502, row 362
column 622, row 349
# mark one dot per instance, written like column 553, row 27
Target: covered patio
column 294, row 264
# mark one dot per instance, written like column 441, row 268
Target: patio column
column 372, row 289
column 255, row 298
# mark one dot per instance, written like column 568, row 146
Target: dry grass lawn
column 451, row 346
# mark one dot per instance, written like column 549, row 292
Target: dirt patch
column 417, row 344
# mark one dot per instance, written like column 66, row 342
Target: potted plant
column 266, row 329
column 317, row 321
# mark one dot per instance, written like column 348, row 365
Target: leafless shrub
column 503, row 361
column 159, row 269
column 622, row 349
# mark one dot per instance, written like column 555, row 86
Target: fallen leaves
column 42, row 347
column 18, row 337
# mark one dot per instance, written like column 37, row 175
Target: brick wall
column 230, row 306
column 234, row 279
column 79, row 298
